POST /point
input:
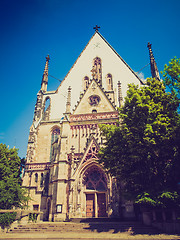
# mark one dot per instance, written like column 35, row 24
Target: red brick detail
column 37, row 166
column 84, row 117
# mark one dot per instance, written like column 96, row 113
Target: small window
column 109, row 81
column 94, row 111
column 35, row 207
column 36, row 177
column 42, row 180
column 86, row 82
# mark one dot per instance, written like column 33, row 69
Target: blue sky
column 31, row 29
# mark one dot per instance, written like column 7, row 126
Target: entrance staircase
column 87, row 226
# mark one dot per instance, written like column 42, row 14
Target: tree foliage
column 143, row 151
column 6, row 219
column 11, row 192
column 171, row 75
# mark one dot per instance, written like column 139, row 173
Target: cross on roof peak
column 96, row 28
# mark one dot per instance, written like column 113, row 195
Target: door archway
column 95, row 183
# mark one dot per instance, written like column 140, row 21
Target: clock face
column 94, row 100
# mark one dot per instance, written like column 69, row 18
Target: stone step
column 114, row 227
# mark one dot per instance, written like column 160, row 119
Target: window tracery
column 94, row 179
column 92, row 153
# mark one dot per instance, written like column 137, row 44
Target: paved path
column 85, row 236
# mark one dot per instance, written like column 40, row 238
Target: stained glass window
column 95, row 180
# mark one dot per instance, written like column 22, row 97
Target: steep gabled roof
column 120, row 57
column 112, row 50
column 76, row 61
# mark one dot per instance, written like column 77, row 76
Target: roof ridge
column 75, row 62
column 120, row 57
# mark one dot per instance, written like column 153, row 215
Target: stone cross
column 96, row 28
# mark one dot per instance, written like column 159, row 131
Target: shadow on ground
column 120, row 227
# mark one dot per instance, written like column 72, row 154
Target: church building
column 62, row 174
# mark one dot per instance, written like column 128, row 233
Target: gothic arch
column 109, row 81
column 46, row 109
column 97, row 69
column 54, row 128
column 55, row 134
column 94, row 178
column 85, row 82
column 36, row 177
column 95, row 182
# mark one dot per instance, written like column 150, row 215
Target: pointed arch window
column 94, row 179
column 46, row 110
column 86, row 82
column 54, row 143
column 97, row 68
column 36, row 177
column 109, row 81
column 42, row 180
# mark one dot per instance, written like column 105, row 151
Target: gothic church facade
column 62, row 172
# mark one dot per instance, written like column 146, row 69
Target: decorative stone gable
column 94, row 100
column 91, row 151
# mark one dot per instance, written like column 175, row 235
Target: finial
column 47, row 58
column 96, row 28
column 45, row 75
column 154, row 69
column 149, row 45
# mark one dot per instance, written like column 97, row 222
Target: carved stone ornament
column 94, row 100
column 93, row 86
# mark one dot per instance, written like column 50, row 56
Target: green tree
column 171, row 75
column 11, row 192
column 12, row 195
column 142, row 152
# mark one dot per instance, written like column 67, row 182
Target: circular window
column 94, row 100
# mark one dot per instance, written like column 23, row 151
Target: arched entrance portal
column 96, row 192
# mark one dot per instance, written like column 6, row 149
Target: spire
column 45, row 75
column 68, row 103
column 120, row 98
column 154, row 69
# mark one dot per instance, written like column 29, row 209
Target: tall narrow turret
column 154, row 69
column 45, row 75
column 68, row 103
column 120, row 98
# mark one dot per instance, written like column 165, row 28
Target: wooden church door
column 96, row 191
column 101, row 204
column 90, row 205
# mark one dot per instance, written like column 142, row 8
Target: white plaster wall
column 111, row 63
